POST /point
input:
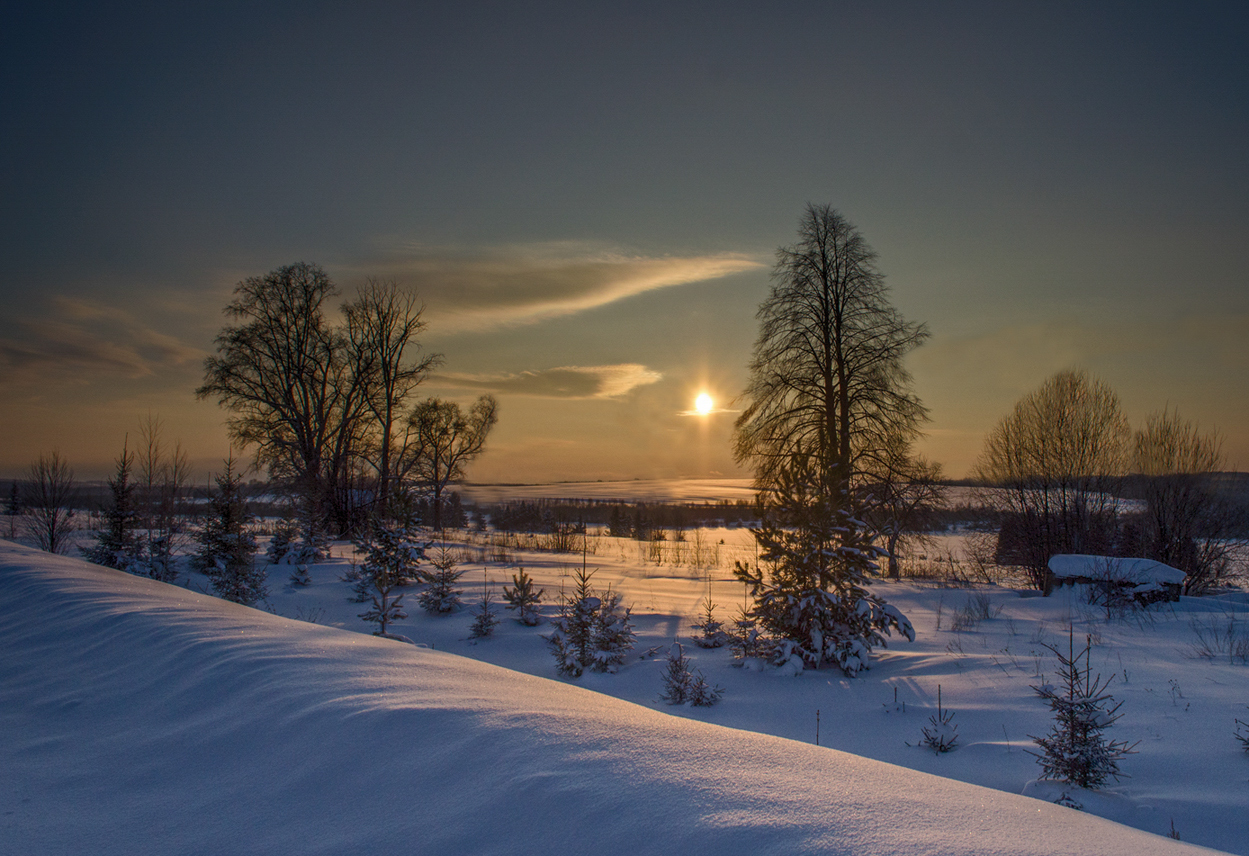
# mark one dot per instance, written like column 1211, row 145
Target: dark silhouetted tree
column 1186, row 522
column 50, row 497
column 827, row 401
column 444, row 440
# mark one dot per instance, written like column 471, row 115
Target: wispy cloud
column 78, row 339
column 562, row 382
column 523, row 284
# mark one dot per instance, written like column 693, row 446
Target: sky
column 588, row 198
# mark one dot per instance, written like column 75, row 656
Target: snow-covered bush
column 1242, row 733
column 524, row 598
column 1075, row 751
column 941, row 734
column 441, row 596
column 591, row 631
column 810, row 589
column 683, row 685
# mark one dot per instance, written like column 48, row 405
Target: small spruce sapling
column 486, row 618
column 226, row 549
column 523, row 598
column 683, row 685
column 392, row 555
column 441, row 597
column 283, row 539
column 118, row 544
column 1075, row 751
column 591, row 631
column 941, row 734
column 14, row 510
column 711, row 631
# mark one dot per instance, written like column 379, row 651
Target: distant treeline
column 626, row 520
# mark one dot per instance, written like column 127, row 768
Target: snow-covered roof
column 1138, row 571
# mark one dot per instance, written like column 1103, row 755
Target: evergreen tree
column 591, row 631
column 393, row 552
column 811, row 592
column 572, row 641
column 117, row 545
column 523, row 598
column 441, row 596
column 284, row 534
column 612, row 634
column 226, row 549
column 486, row 618
column 14, row 509
column 683, row 685
column 711, row 631
column 941, row 734
column 1075, row 751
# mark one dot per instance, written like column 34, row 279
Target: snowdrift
column 143, row 718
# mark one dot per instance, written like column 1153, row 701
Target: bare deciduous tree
column 163, row 475
column 382, row 326
column 312, row 397
column 284, row 373
column 1054, row 458
column 1186, row 523
column 827, row 379
column 49, row 501
column 443, row 439
column 904, row 496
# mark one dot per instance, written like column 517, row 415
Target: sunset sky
column 588, row 198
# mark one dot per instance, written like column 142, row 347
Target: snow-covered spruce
column 810, row 589
column 683, row 685
column 1075, row 751
column 524, row 598
column 441, row 597
column 592, row 631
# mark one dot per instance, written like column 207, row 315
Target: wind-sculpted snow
column 140, row 718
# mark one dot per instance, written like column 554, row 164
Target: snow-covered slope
column 142, row 718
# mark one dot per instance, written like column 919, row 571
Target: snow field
column 144, row 718
column 1189, row 770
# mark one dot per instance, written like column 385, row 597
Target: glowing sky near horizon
column 588, row 200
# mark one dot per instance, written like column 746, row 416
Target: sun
column 704, row 403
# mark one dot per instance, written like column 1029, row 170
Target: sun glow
column 704, row 403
